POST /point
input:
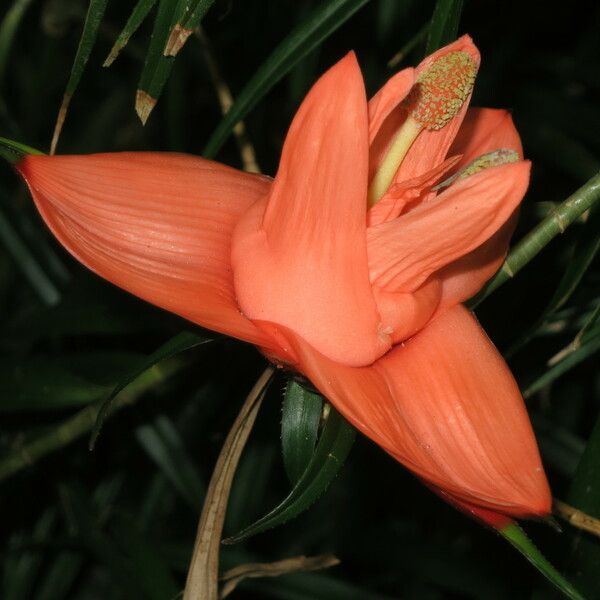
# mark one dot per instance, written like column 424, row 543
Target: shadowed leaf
column 332, row 449
column 93, row 19
column 300, row 419
column 316, row 27
column 137, row 16
column 180, row 343
column 444, row 24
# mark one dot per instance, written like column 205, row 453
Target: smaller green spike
column 13, row 152
column 518, row 538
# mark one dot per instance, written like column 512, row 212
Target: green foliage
column 444, row 24
column 320, row 24
column 301, row 415
column 325, row 463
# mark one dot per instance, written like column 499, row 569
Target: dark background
column 120, row 522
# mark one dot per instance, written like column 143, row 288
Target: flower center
column 437, row 96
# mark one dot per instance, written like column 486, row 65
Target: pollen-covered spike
column 496, row 158
column 441, row 90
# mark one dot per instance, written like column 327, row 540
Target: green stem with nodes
column 82, row 422
column 563, row 216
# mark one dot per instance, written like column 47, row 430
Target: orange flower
column 349, row 266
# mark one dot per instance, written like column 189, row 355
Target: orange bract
column 363, row 299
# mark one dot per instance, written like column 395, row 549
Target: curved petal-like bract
column 158, row 225
column 445, row 404
column 300, row 257
column 404, row 252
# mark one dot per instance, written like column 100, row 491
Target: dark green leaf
column 319, row 25
column 60, row 576
column 585, row 344
column 180, row 343
column 13, row 151
column 584, row 252
column 517, row 537
column 49, row 383
column 301, row 415
column 331, row 452
column 22, row 572
column 84, row 519
column 93, row 19
column 584, row 558
column 444, row 24
column 155, row 578
column 8, row 31
column 27, row 262
column 157, row 66
column 163, row 443
column 137, row 16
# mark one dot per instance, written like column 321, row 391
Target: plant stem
column 81, row 423
column 565, row 213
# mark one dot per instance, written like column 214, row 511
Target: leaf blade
column 323, row 21
column 301, row 414
column 332, row 449
column 444, row 24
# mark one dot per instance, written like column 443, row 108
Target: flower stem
column 203, row 573
column 564, row 214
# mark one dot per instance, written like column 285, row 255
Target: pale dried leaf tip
column 60, row 120
column 144, row 103
column 177, row 38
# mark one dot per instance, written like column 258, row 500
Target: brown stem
column 203, row 574
column 576, row 518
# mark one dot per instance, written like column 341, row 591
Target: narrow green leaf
column 60, row 576
column 185, row 26
column 180, row 343
column 69, row 430
column 161, row 440
column 585, row 344
column 157, row 66
column 444, row 24
column 54, row 383
column 332, row 449
column 83, row 518
column 22, row 575
column 584, row 252
column 93, row 19
column 155, row 577
column 138, row 14
column 301, row 414
column 534, row 242
column 518, row 538
column 319, row 25
column 13, row 151
column 8, row 30
column 28, row 264
column 584, row 494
